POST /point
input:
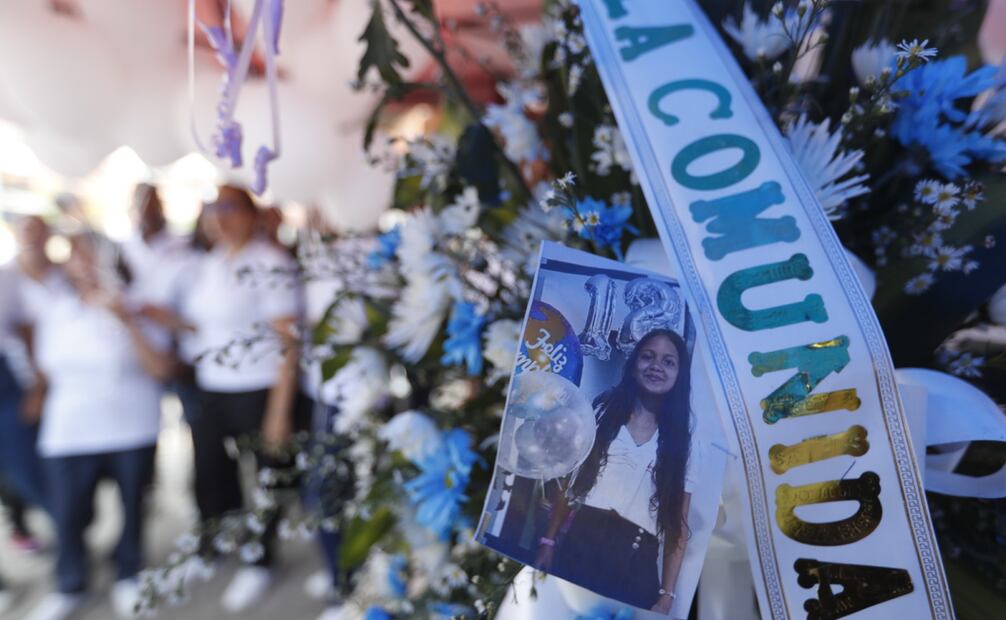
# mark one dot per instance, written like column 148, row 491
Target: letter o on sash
column 711, row 144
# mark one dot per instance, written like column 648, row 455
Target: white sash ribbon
column 832, row 495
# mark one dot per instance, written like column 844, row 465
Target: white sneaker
column 6, row 601
column 319, row 586
column 125, row 597
column 247, row 587
column 56, row 606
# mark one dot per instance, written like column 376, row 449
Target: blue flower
column 602, row 224
column 606, row 613
column 446, row 611
column 464, row 338
column 438, row 490
column 387, row 246
column 396, row 575
column 376, row 613
column 929, row 115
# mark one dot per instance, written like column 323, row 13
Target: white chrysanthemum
column 610, row 150
column 501, row 340
column 520, row 136
column 347, row 321
column 870, row 59
column 818, row 153
column 357, row 388
column 413, row 434
column 432, row 157
column 525, row 234
column 418, row 316
column 765, row 39
column 463, row 213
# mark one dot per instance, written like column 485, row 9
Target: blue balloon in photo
column 550, row 343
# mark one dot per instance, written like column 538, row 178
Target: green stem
column 454, row 83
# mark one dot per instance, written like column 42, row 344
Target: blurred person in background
column 104, row 366
column 155, row 257
column 243, row 304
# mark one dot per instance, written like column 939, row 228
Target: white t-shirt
column 12, row 311
column 99, row 399
column 157, row 267
column 231, row 302
column 625, row 483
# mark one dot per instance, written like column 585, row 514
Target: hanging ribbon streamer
column 227, row 142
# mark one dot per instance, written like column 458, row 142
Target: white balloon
column 360, row 192
column 144, row 28
column 150, row 101
column 67, row 76
column 64, row 156
column 310, row 146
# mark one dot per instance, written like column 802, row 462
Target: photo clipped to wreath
column 611, row 454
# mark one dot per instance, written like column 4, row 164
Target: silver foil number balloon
column 654, row 304
column 594, row 337
column 548, row 429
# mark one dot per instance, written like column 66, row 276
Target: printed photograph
column 609, row 466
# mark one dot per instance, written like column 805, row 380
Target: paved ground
column 170, row 515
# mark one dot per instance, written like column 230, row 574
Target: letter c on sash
column 722, row 96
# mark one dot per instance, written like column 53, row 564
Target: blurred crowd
column 91, row 345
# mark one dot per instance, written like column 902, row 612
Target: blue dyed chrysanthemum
column 930, row 115
column 439, row 489
column 464, row 338
column 603, row 224
column 387, row 245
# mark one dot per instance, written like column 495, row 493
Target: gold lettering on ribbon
column 865, row 490
column 851, row 442
column 862, row 587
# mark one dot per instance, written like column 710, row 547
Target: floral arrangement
column 895, row 126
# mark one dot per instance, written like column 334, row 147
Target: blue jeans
column 73, row 481
column 19, row 464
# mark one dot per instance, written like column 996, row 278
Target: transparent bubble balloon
column 549, row 427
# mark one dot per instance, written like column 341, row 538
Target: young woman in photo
column 632, row 493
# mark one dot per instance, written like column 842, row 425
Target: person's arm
column 672, row 565
column 34, row 396
column 277, row 425
column 158, row 364
column 546, row 544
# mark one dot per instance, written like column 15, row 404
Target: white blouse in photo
column 100, row 399
column 625, row 483
column 232, row 302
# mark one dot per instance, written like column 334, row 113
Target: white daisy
column 919, row 284
column 520, row 136
column 926, row 191
column 610, row 150
column 946, row 197
column 759, row 39
column 871, row 59
column 948, row 258
column 915, row 49
column 818, row 153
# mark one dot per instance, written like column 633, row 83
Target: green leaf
column 422, row 7
column 382, row 50
column 360, row 535
column 335, row 363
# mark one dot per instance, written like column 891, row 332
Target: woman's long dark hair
column 613, row 408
